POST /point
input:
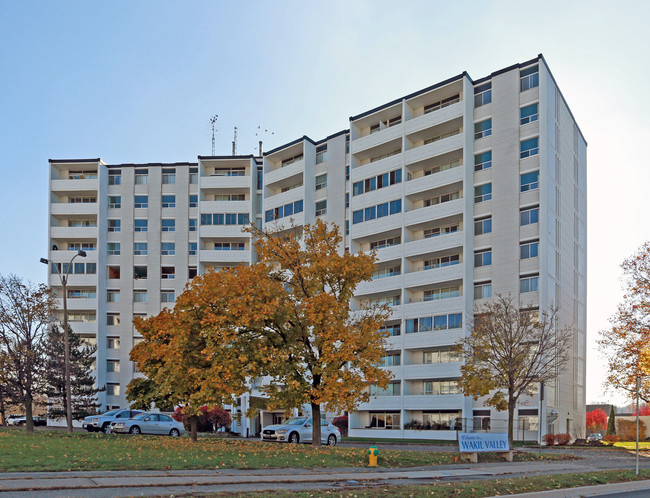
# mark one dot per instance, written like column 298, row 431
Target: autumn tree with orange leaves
column 288, row 317
column 624, row 343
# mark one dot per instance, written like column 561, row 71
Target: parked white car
column 299, row 430
column 149, row 423
column 16, row 419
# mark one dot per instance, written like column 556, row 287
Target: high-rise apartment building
column 465, row 189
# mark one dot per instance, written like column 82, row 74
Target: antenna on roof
column 213, row 120
column 234, row 143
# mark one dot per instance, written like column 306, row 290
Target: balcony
column 377, row 226
column 432, row 370
column 363, row 171
column 219, row 182
column 212, row 256
column 76, row 280
column 273, row 201
column 430, row 182
column 425, row 214
column 434, row 118
column 76, row 208
column 434, row 338
column 379, row 285
column 226, row 206
column 86, row 328
column 74, row 232
column 65, row 257
column 74, row 185
column 434, row 244
column 223, row 231
column 440, row 401
column 436, row 307
column 434, row 149
column 375, row 139
column 382, row 403
column 423, row 278
column 280, row 174
column 76, row 304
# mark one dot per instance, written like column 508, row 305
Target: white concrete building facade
column 466, row 189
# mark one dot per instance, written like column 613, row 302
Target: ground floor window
column 384, row 420
column 442, row 420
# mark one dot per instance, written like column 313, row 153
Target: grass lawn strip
column 57, row 451
column 474, row 489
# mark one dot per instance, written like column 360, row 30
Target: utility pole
column 213, row 121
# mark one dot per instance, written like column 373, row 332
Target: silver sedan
column 149, row 423
column 299, row 430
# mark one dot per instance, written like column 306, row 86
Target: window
column 112, row 389
column 141, row 177
column 321, row 154
column 321, row 182
column 446, row 355
column 393, row 330
column 392, row 360
column 482, row 290
column 191, row 272
column 347, row 199
column 192, row 248
column 529, row 215
column 260, row 176
column 114, row 177
column 113, row 225
column 113, row 296
column 291, row 160
column 114, row 201
column 529, row 147
column 433, row 201
column 229, row 172
column 375, row 182
column 482, row 193
column 113, row 342
column 112, row 319
column 379, row 244
column 81, row 246
column 81, row 294
column 529, row 181
column 441, row 262
column 113, row 272
column 194, row 201
column 384, row 420
column 483, row 161
column 443, row 293
column 438, row 322
column 168, row 176
column 113, row 249
column 82, row 175
column 529, row 114
column 82, row 317
column 168, row 273
column 141, row 201
column 482, row 129
column 194, row 175
column 386, row 272
column 168, row 248
column 529, row 249
column 140, row 225
column 396, row 206
column 482, row 94
column 529, row 78
column 139, row 296
column 193, row 225
column 321, row 208
column 347, row 149
column 529, row 283
column 442, row 230
column 167, row 296
column 229, row 246
column 139, row 248
column 139, row 272
column 82, row 223
column 441, row 104
column 440, row 387
column 168, row 225
column 482, row 258
column 168, row 201
column 483, row 225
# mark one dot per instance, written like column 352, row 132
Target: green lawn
column 56, row 451
column 475, row 489
column 631, row 445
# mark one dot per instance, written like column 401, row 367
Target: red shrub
column 342, row 424
column 562, row 439
column 611, row 439
column 549, row 439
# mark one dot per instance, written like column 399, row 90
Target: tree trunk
column 2, row 410
column 315, row 428
column 29, row 419
column 193, row 427
column 511, row 416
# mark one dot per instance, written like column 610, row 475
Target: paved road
column 149, row 483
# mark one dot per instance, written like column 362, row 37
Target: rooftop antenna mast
column 234, row 143
column 213, row 121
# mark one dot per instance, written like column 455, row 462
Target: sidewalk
column 599, row 490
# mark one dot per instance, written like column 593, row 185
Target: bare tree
column 510, row 351
column 25, row 311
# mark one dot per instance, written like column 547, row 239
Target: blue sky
column 138, row 82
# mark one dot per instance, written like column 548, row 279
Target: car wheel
column 134, row 430
column 106, row 428
column 294, row 438
column 331, row 440
column 174, row 433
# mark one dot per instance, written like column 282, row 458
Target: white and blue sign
column 470, row 443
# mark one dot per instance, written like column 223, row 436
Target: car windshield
column 295, row 421
column 110, row 414
column 141, row 416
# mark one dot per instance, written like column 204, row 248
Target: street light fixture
column 63, row 277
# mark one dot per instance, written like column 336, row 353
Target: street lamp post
column 63, row 277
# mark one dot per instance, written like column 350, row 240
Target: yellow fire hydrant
column 373, row 453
